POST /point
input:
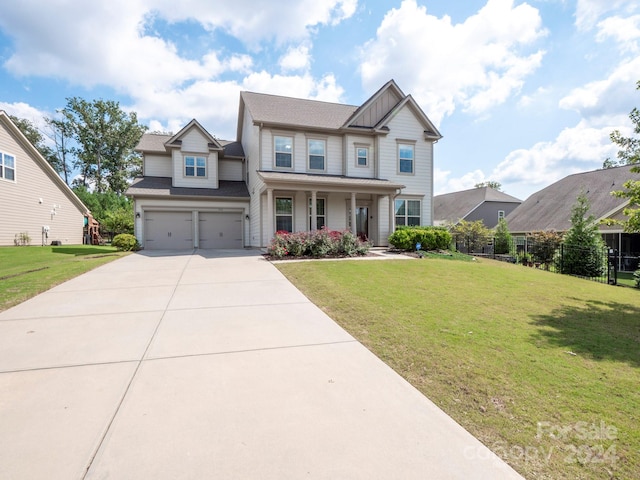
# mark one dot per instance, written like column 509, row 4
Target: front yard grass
column 28, row 271
column 542, row 368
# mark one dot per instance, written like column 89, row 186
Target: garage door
column 168, row 230
column 220, row 230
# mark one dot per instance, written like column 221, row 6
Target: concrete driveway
column 209, row 365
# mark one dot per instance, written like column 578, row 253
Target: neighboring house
column 297, row 165
column 35, row 200
column 482, row 203
column 550, row 209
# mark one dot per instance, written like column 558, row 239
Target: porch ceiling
column 328, row 183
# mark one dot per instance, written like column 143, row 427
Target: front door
column 362, row 223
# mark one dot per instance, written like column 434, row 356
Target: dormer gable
column 195, row 138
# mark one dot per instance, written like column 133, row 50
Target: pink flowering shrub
column 319, row 243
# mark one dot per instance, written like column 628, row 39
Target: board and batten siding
column 27, row 203
column 157, row 165
column 253, row 147
column 406, row 126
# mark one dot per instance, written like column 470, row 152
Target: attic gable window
column 7, row 166
column 195, row 166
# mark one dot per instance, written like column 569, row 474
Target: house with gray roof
column 296, row 165
column 481, row 203
column 550, row 209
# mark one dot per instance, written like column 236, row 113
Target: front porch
column 302, row 202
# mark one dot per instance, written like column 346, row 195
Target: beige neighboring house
column 35, row 200
column 297, row 165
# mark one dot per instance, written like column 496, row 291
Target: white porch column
column 354, row 228
column 270, row 230
column 392, row 214
column 314, row 211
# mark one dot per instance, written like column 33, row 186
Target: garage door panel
column 220, row 230
column 168, row 230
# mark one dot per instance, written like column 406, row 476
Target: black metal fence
column 596, row 264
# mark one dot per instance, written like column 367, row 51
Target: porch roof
column 338, row 183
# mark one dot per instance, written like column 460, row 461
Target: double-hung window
column 284, row 214
column 407, row 212
column 362, row 156
column 283, row 151
column 321, row 215
column 195, row 166
column 317, row 154
column 406, row 157
column 7, row 166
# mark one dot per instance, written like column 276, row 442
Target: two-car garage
column 176, row 230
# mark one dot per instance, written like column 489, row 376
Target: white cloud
column 476, row 64
column 610, row 96
column 576, row 149
column 589, row 12
column 625, row 31
column 296, row 58
column 444, row 184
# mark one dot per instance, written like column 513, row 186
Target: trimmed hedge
column 125, row 242
column 320, row 243
column 430, row 238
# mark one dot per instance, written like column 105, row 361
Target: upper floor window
column 195, row 166
column 7, row 166
column 500, row 214
column 407, row 212
column 316, row 154
column 362, row 156
column 283, row 149
column 405, row 158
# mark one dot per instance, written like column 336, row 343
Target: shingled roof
column 161, row 187
column 550, row 208
column 287, row 111
column 155, row 143
column 451, row 207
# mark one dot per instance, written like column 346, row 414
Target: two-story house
column 297, row 165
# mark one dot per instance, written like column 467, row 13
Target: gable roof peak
column 213, row 142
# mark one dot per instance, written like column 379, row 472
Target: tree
column 543, row 246
column 471, row 235
column 491, row 184
column 36, row 139
column 106, row 137
column 61, row 135
column 502, row 241
column 629, row 154
column 583, row 246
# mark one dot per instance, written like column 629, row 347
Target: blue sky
column 524, row 93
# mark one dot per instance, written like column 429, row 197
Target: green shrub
column 429, row 238
column 636, row 277
column 125, row 242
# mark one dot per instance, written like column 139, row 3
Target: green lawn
column 542, row 368
column 27, row 271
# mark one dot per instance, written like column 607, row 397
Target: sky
column 523, row 92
